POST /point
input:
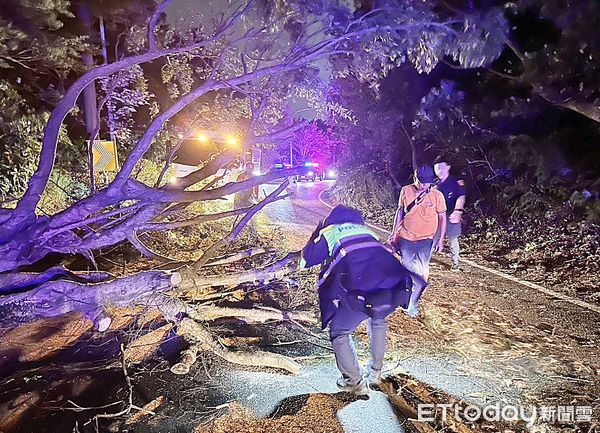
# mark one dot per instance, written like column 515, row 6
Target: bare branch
column 238, row 228
column 139, row 191
column 146, row 251
column 274, row 271
column 232, row 258
column 208, row 170
column 168, row 161
column 196, row 220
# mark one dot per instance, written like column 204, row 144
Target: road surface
column 481, row 337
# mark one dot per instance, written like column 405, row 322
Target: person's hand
column 455, row 217
column 394, row 238
column 440, row 246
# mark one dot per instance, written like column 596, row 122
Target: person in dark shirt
column 454, row 192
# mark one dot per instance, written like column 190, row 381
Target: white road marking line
column 534, row 286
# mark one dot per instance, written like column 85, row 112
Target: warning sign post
column 104, row 156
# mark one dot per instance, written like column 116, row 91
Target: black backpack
column 379, row 303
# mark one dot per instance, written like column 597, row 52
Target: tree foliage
column 249, row 59
column 554, row 49
column 504, row 126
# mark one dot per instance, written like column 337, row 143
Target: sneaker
column 374, row 377
column 361, row 388
column 412, row 311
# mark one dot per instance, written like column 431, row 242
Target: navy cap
column 425, row 174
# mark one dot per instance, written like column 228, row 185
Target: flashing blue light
column 278, row 165
column 308, row 164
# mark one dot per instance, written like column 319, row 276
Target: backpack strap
column 417, row 200
column 343, row 251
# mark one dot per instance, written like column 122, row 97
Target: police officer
column 359, row 280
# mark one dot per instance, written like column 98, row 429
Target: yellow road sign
column 104, row 156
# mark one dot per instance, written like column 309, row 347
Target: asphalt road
column 297, row 216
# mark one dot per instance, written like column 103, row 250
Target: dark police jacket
column 357, row 271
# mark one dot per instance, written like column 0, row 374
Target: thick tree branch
column 54, row 298
column 275, row 271
column 202, row 340
column 38, row 181
column 146, row 251
column 253, row 315
column 149, row 195
column 153, row 21
column 16, row 282
column 196, row 220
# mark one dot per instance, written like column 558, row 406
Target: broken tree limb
column 232, row 258
column 12, row 282
column 419, row 393
column 250, row 315
column 202, row 341
column 186, row 360
column 146, row 251
column 274, row 271
column 54, row 298
column 419, row 389
column 405, row 408
column 238, row 228
column 153, row 226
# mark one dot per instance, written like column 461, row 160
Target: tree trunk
column 54, row 298
column 90, row 99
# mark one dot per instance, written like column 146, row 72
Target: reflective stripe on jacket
column 353, row 260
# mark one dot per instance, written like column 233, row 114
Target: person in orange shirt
column 421, row 210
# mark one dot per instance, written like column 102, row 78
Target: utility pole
column 108, row 104
column 90, row 102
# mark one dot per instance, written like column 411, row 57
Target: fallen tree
column 54, row 298
column 242, row 59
